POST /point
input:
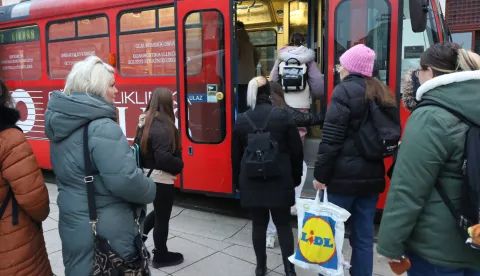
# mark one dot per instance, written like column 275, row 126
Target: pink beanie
column 359, row 59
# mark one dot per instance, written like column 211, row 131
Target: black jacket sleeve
column 238, row 148
column 165, row 159
column 305, row 119
column 335, row 131
column 295, row 145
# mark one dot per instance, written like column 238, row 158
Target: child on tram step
column 160, row 150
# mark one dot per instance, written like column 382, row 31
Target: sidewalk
column 211, row 244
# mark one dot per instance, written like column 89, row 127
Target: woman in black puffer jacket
column 354, row 183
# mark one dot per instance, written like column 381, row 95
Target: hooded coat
column 120, row 187
column 415, row 219
column 315, row 78
column 22, row 246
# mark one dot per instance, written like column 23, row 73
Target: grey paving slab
column 218, row 264
column 157, row 272
column 52, row 241
column 49, row 224
column 53, row 215
column 53, row 207
column 247, row 254
column 210, row 243
column 56, row 262
column 192, row 253
column 207, row 225
column 150, row 243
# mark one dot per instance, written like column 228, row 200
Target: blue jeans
column 363, row 210
column 422, row 267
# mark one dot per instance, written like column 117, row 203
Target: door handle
column 190, row 150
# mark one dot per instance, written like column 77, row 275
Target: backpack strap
column 265, row 124
column 5, row 202
column 149, row 172
column 438, row 186
column 455, row 113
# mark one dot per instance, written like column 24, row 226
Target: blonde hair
column 91, row 75
column 468, row 60
column 252, row 90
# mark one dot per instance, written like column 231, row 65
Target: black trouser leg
column 163, row 209
column 281, row 219
column 260, row 219
column 148, row 224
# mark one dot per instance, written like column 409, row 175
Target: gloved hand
column 474, row 233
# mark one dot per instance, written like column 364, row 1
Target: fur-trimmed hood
column 410, row 85
column 8, row 116
column 459, row 91
column 302, row 54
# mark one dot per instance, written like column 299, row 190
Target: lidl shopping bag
column 321, row 231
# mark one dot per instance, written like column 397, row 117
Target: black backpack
column 260, row 159
column 379, row 132
column 469, row 214
column 10, row 195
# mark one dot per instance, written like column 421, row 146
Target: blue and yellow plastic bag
column 320, row 236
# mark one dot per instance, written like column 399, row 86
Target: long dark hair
column 378, row 91
column 160, row 106
column 277, row 94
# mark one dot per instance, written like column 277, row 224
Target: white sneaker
column 271, row 242
column 293, row 210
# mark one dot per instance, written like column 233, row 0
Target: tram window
column 265, row 41
column 140, row 20
column 298, row 17
column 364, row 22
column 414, row 44
column 20, row 53
column 93, row 26
column 61, row 30
column 150, row 50
column 91, row 39
column 205, row 92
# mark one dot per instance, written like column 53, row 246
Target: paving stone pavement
column 212, row 245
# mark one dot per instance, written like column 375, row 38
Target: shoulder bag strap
column 92, row 207
column 149, row 172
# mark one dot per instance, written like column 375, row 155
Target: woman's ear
column 430, row 73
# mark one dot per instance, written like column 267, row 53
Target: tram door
column 369, row 22
column 204, row 84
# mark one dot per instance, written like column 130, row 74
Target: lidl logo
column 317, row 241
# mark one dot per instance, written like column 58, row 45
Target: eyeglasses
column 337, row 68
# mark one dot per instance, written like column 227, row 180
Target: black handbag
column 107, row 262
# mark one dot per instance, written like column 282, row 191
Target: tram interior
column 270, row 23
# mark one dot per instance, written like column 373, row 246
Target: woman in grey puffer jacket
column 120, row 187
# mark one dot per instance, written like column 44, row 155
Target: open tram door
column 374, row 23
column 204, row 31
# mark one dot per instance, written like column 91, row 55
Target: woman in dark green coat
column 416, row 222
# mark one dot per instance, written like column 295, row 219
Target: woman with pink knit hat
column 353, row 182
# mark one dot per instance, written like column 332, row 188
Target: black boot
column 166, row 259
column 261, row 269
column 289, row 268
